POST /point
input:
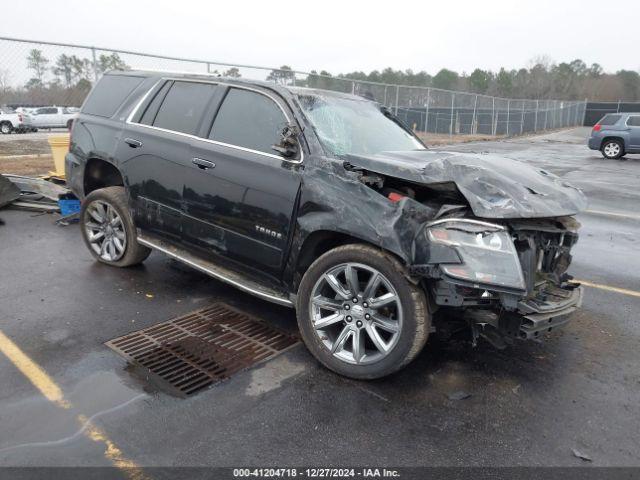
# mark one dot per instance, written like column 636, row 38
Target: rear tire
column 69, row 125
column 6, row 128
column 108, row 229
column 361, row 338
column 612, row 149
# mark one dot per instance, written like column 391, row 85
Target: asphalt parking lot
column 529, row 405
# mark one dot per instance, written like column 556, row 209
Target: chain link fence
column 34, row 74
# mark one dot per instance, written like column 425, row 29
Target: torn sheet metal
column 8, row 191
column 336, row 200
column 38, row 187
column 35, row 194
column 494, row 186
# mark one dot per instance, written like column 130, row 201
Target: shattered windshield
column 351, row 126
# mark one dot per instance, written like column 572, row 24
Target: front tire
column 612, row 149
column 108, row 230
column 359, row 315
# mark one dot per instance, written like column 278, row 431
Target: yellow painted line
column 613, row 214
column 52, row 392
column 623, row 291
column 36, row 375
column 112, row 452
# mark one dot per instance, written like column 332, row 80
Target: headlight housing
column 487, row 252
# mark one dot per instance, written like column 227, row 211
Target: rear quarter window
column 109, row 93
column 610, row 119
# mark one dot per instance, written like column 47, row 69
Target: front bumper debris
column 540, row 316
column 545, row 312
column 549, row 309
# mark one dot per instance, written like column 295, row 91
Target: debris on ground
column 9, row 192
column 37, row 194
column 68, row 219
column 581, row 456
column 459, row 395
column 38, row 186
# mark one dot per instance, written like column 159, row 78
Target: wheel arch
column 98, row 173
column 609, row 138
column 319, row 242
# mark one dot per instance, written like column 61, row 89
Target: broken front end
column 509, row 276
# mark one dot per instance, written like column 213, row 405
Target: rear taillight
column 20, row 117
column 597, row 127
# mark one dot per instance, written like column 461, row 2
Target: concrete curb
column 16, row 157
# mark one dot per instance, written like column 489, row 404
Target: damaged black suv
column 324, row 202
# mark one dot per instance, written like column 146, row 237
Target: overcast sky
column 341, row 36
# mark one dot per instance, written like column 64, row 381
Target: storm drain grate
column 203, row 347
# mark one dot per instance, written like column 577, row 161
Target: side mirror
column 288, row 146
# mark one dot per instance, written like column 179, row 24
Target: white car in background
column 25, row 110
column 52, row 117
column 11, row 121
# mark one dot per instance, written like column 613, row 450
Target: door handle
column 203, row 164
column 132, row 142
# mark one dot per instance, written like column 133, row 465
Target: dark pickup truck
column 327, row 203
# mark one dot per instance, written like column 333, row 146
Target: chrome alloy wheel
column 356, row 313
column 105, row 231
column 612, row 149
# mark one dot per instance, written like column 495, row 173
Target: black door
column 155, row 150
column 239, row 194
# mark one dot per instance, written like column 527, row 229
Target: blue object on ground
column 68, row 207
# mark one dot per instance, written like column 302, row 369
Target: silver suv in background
column 616, row 135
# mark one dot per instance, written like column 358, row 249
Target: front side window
column 347, row 126
column 250, row 120
column 183, row 106
column 634, row 121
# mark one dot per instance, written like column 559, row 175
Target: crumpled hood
column 494, row 186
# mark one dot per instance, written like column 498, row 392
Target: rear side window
column 248, row 119
column 183, row 106
column 634, row 121
column 610, row 119
column 109, row 93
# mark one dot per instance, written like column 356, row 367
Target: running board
column 216, row 271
